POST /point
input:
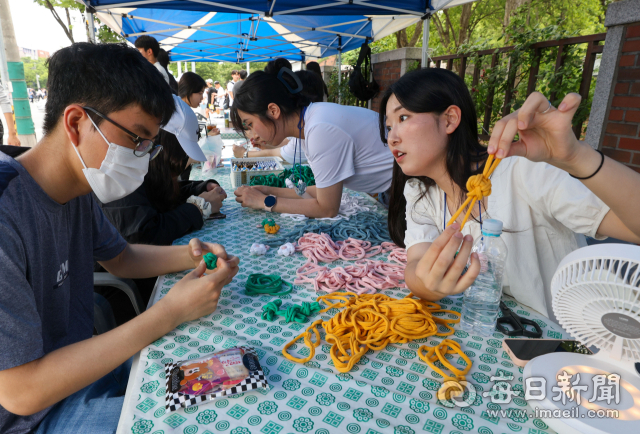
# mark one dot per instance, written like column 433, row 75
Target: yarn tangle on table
column 258, row 249
column 371, row 322
column 439, row 354
column 321, row 248
column 266, row 284
column 273, row 180
column 366, row 225
column 365, row 276
column 287, row 249
column 478, row 187
column 294, row 313
column 349, row 206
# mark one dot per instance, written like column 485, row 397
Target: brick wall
column 385, row 74
column 622, row 129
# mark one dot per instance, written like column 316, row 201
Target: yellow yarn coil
column 373, row 321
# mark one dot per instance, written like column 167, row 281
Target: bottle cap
column 492, row 227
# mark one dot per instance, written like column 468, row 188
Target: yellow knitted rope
column 438, row 353
column 478, row 186
column 371, row 321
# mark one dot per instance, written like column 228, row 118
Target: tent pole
column 425, row 42
column 339, row 76
column 248, row 68
column 193, row 67
column 92, row 28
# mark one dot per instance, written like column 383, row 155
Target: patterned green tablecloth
column 390, row 391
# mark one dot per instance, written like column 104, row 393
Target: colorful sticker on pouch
column 225, row 373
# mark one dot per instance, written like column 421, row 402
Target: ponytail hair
column 263, row 88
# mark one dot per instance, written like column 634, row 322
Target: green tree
column 220, row 71
column 33, row 67
column 103, row 32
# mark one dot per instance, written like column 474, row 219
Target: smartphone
column 217, row 216
column 523, row 350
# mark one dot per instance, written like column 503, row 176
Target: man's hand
column 250, row 197
column 199, row 248
column 197, row 294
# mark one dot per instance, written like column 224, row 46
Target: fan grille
column 586, row 290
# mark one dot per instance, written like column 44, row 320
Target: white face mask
column 120, row 174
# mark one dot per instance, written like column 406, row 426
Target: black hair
column 311, row 85
column 163, row 58
column 145, row 42
column 107, row 77
column 190, row 83
column 243, row 74
column 160, row 182
column 315, row 67
column 433, row 90
column 276, row 64
column 261, row 89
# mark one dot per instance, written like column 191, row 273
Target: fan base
column 588, row 417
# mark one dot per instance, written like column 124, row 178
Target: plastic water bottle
column 482, row 300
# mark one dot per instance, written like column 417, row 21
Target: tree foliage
column 33, row 67
column 216, row 70
column 61, row 12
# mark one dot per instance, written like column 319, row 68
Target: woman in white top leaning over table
column 341, row 143
column 549, row 191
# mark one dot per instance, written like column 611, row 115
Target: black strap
column 594, row 173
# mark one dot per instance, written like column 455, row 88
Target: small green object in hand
column 210, row 260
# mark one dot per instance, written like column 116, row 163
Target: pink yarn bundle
column 364, row 277
column 321, row 248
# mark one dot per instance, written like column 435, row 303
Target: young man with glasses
column 106, row 105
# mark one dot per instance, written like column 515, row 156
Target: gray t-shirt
column 47, row 251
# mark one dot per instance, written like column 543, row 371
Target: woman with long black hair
column 550, row 192
column 159, row 212
column 341, row 144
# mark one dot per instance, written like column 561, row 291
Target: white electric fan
column 596, row 298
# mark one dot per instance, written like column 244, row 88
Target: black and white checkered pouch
column 255, row 380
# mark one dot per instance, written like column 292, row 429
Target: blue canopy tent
column 259, row 30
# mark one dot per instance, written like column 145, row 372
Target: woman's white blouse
column 543, row 210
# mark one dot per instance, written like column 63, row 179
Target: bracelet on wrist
column 594, row 173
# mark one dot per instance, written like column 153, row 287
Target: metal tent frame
column 344, row 25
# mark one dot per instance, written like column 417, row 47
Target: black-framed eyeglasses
column 143, row 146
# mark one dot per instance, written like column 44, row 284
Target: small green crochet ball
column 210, row 260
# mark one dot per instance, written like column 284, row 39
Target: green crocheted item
column 266, row 284
column 270, row 222
column 294, row 313
column 272, row 180
column 210, row 260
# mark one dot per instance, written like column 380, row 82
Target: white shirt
column 230, row 86
column 162, row 71
column 288, row 151
column 544, row 208
column 220, row 95
column 342, row 143
column 5, row 101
